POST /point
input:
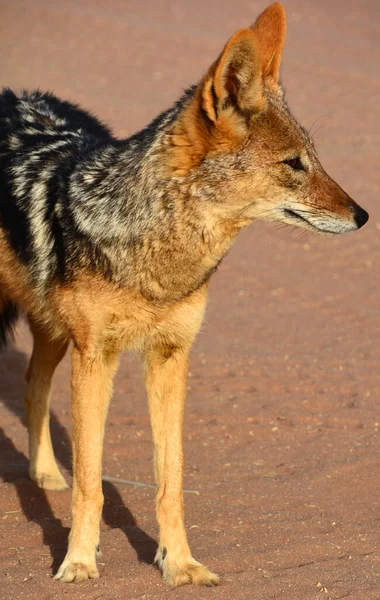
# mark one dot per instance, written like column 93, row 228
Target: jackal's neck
column 160, row 233
column 183, row 247
column 157, row 234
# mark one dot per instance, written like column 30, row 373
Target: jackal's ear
column 270, row 31
column 233, row 86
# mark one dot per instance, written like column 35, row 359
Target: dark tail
column 8, row 316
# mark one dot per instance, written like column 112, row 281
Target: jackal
column 110, row 244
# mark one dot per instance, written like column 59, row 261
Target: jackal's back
column 41, row 140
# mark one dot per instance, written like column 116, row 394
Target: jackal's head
column 243, row 147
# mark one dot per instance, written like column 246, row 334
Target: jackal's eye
column 295, row 163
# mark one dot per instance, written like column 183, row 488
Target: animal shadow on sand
column 33, row 500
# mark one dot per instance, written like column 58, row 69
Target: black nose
column 361, row 217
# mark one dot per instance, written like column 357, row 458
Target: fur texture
column 110, row 244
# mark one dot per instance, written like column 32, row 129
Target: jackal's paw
column 191, row 572
column 49, row 482
column 76, row 572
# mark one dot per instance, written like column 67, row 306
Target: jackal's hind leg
column 47, row 353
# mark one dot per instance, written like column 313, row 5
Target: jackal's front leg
column 166, row 377
column 91, row 389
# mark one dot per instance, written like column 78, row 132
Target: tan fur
column 102, row 321
column 101, row 324
column 13, row 276
column 47, row 353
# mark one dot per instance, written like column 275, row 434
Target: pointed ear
column 270, row 31
column 232, row 89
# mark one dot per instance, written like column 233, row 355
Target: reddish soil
column 282, row 425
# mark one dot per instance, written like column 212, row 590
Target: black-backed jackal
column 110, row 244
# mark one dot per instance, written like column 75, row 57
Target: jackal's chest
column 129, row 331
column 100, row 315
column 172, row 327
column 144, row 325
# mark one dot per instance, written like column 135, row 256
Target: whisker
column 314, row 122
column 320, row 127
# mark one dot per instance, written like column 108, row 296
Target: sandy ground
column 282, row 425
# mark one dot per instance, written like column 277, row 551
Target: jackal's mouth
column 292, row 214
column 303, row 220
